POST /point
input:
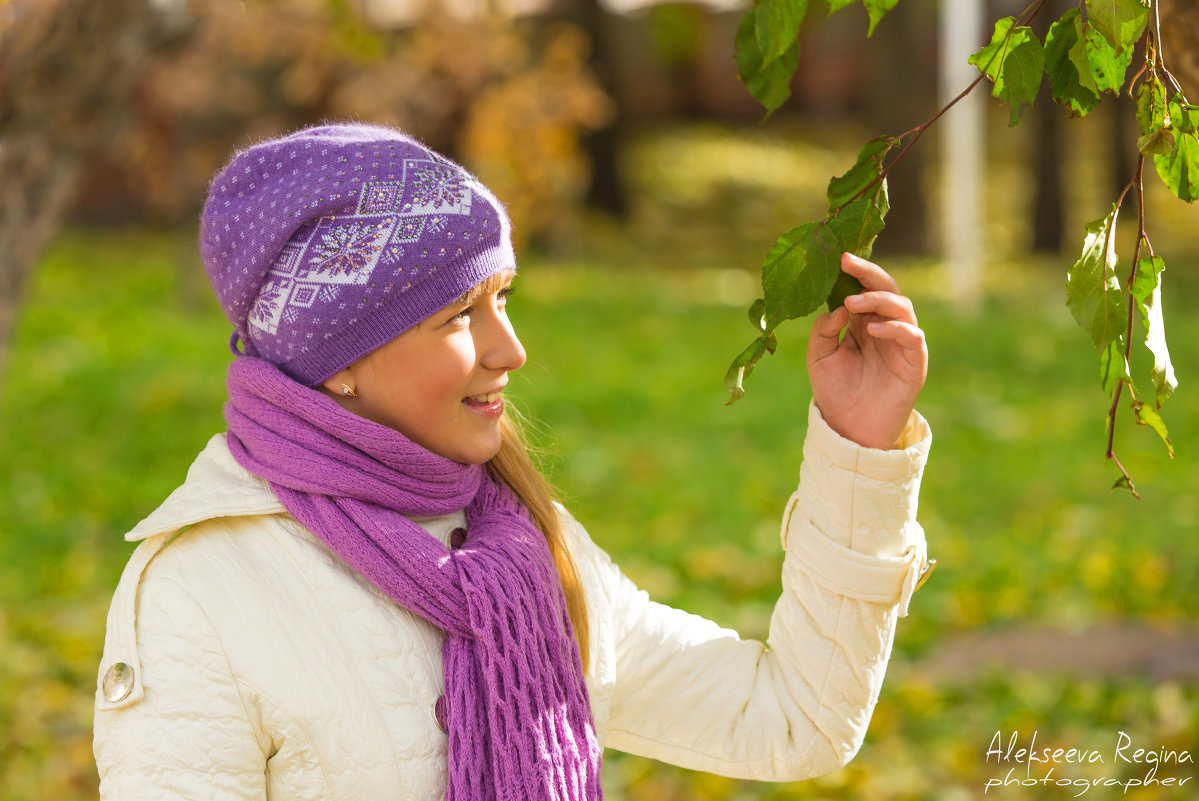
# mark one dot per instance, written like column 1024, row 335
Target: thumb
column 826, row 333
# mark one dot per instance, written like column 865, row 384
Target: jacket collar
column 216, row 486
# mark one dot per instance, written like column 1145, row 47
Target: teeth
column 491, row 397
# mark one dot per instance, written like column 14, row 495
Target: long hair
column 513, row 466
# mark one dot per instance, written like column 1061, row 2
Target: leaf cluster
column 1086, row 54
column 767, row 44
column 803, row 269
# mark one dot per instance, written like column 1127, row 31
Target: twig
column 1031, row 11
column 1161, row 53
column 1138, row 181
column 1108, row 242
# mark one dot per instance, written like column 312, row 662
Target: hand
column 865, row 383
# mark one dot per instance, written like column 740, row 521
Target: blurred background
column 645, row 189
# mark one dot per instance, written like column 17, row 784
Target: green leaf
column 1183, row 116
column 799, row 271
column 1065, row 78
column 1151, row 105
column 757, row 315
column 843, row 287
column 1157, row 143
column 803, row 269
column 867, row 168
column 1148, row 277
column 1014, row 61
column 1148, row 416
column 776, row 25
column 740, row 369
column 1092, row 289
column 877, row 9
column 1121, row 22
column 1147, row 289
column 1101, row 67
column 1124, row 482
column 1179, row 168
column 768, row 80
column 858, row 224
column 1094, row 297
column 1113, row 366
column 1176, row 151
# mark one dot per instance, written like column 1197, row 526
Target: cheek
column 420, row 382
column 441, row 381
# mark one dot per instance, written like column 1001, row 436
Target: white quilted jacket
column 254, row 664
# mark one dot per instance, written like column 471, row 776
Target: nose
column 502, row 350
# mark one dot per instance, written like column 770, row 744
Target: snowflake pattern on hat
column 347, row 249
column 438, row 189
column 347, row 253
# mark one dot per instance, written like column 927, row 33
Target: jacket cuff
column 852, row 522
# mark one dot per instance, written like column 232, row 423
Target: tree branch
column 1023, row 18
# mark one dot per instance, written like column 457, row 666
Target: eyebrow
column 489, row 285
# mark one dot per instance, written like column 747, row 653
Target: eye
column 463, row 315
column 501, row 297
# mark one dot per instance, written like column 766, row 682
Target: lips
column 489, row 404
column 482, row 400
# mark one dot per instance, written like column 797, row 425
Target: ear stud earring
column 348, row 392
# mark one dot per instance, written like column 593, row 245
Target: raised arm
column 689, row 692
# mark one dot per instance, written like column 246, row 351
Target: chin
column 478, row 455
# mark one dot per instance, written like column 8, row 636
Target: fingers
column 883, row 304
column 906, row 335
column 881, row 297
column 870, row 274
column 826, row 332
column 880, row 310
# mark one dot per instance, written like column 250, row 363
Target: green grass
column 115, row 381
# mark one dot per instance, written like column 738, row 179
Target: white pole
column 962, row 150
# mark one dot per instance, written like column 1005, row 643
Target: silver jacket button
column 117, row 683
column 440, row 712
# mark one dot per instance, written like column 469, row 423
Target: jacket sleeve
column 688, row 692
column 189, row 735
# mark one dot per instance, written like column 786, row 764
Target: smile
column 483, row 400
column 489, row 405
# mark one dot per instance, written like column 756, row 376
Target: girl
column 363, row 589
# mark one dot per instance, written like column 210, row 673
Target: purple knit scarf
column 518, row 716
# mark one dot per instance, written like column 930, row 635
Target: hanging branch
column 1086, row 54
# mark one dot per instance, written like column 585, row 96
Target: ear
column 341, row 384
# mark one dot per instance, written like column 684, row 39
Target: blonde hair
column 513, row 466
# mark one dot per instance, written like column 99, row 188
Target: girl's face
column 439, row 382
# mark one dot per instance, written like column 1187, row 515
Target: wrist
column 867, row 431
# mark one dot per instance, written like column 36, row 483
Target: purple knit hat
column 327, row 243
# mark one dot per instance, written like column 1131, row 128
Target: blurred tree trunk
column 1048, row 214
column 61, row 97
column 607, row 191
column 902, row 95
column 1180, row 43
